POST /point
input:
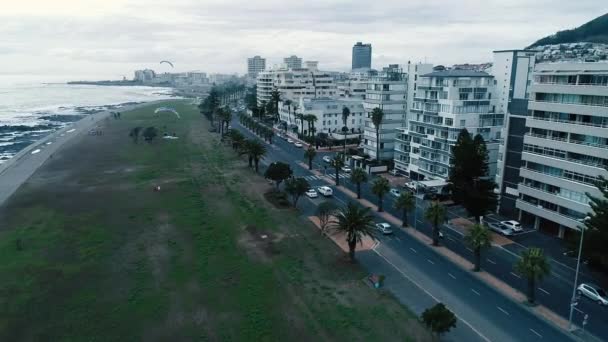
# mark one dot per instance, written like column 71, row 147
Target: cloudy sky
column 110, row 38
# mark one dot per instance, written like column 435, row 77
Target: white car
column 500, row 229
column 289, row 141
column 411, row 186
column 312, row 193
column 327, row 159
column 346, row 169
column 298, row 145
column 325, row 191
column 384, row 228
column 593, row 292
column 395, row 192
column 514, row 225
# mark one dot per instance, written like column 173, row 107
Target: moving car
column 312, row 193
column 346, row 169
column 298, row 144
column 325, row 191
column 289, row 141
column 395, row 192
column 384, row 228
column 327, row 159
column 593, row 292
column 514, row 225
column 500, row 229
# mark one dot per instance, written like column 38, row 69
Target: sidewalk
column 339, row 238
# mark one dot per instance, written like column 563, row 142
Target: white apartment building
column 255, row 65
column 329, row 115
column 445, row 102
column 387, row 91
column 565, row 145
column 293, row 62
column 294, row 84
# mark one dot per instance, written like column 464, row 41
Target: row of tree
column 257, row 128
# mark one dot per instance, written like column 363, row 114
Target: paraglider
column 167, row 109
column 171, row 64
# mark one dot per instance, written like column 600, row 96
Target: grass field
column 89, row 252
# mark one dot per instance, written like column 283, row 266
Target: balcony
column 576, row 89
column 600, row 151
column 559, row 182
column 568, row 126
column 553, row 198
column 568, row 108
column 547, row 214
column 580, row 166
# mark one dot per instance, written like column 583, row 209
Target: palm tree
column 478, row 238
column 377, row 115
column 356, row 222
column 275, row 98
column 337, row 163
column 310, row 154
column 358, row 176
column 295, row 110
column 405, row 202
column 312, row 119
column 246, row 149
column 301, row 118
column 296, row 187
column 379, row 188
column 257, row 151
column 534, row 266
column 345, row 115
column 226, row 118
column 435, row 213
column 288, row 104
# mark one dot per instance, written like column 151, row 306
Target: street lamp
column 578, row 265
column 415, row 205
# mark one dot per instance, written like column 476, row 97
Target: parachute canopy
column 166, row 109
column 171, row 64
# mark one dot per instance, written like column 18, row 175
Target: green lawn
column 89, row 252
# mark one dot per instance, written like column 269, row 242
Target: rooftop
column 457, row 73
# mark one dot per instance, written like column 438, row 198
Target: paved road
column 484, row 313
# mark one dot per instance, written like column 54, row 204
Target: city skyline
column 68, row 38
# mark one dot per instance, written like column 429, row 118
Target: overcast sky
column 110, row 38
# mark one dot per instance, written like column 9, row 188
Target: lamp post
column 415, row 205
column 578, row 265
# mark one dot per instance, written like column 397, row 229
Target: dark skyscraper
column 362, row 56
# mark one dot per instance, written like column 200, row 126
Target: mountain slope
column 595, row 31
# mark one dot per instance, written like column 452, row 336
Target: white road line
column 491, row 261
column 537, row 334
column 450, row 238
column 430, row 261
column 503, row 310
column 413, row 250
column 470, row 250
column 579, row 310
column 397, row 238
column 545, row 291
column 70, row 131
column 430, row 295
column 516, row 275
column 475, row 292
column 452, row 276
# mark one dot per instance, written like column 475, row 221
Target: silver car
column 500, row 229
column 384, row 228
column 593, row 292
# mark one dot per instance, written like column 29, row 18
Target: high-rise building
column 255, row 65
column 293, row 62
column 387, row 91
column 565, row 144
column 445, row 102
column 362, row 56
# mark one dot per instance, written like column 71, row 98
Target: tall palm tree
column 337, row 163
column 379, row 188
column 275, row 98
column 478, row 238
column 377, row 115
column 435, row 213
column 310, row 154
column 405, row 202
column 295, row 111
column 356, row 222
column 227, row 118
column 312, row 118
column 246, row 149
column 301, row 117
column 345, row 115
column 534, row 266
column 358, row 176
column 288, row 104
column 257, row 151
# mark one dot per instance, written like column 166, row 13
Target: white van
column 325, row 191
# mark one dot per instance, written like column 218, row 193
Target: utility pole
column 573, row 301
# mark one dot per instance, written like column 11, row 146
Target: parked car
column 289, row 140
column 411, row 186
column 395, row 192
column 325, row 191
column 593, row 292
column 298, row 145
column 500, row 229
column 384, row 228
column 514, row 225
column 327, row 159
column 312, row 193
column 346, row 169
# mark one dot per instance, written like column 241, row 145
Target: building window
column 463, row 123
column 449, row 122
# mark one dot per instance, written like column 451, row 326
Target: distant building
column 293, row 62
column 255, row 65
column 144, row 76
column 294, row 84
column 329, row 115
column 311, row 65
column 362, row 56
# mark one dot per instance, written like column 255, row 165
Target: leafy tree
column 478, row 238
column 534, row 266
column 345, row 115
column 436, row 214
column 405, row 202
column 150, row 133
column 596, row 227
column 439, row 319
column 278, row 172
column 325, row 211
column 377, row 116
column 134, row 134
column 358, row 176
column 356, row 222
column 296, row 187
column 310, row 154
column 379, row 188
column 337, row 163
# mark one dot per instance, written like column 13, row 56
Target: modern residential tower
column 362, row 56
column 293, row 62
column 255, row 65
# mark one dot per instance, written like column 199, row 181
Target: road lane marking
column 579, row 310
column 452, row 276
column 450, row 238
column 470, row 250
column 503, row 310
column 475, row 292
column 516, row 275
column 413, row 250
column 491, row 261
column 545, row 291
column 35, row 151
column 397, row 238
column 430, row 261
column 537, row 334
column 70, row 131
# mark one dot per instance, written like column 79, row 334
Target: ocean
column 31, row 110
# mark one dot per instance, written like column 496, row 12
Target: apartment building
column 565, row 145
column 387, row 91
column 329, row 115
column 255, row 65
column 293, row 62
column 294, row 84
column 362, row 56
